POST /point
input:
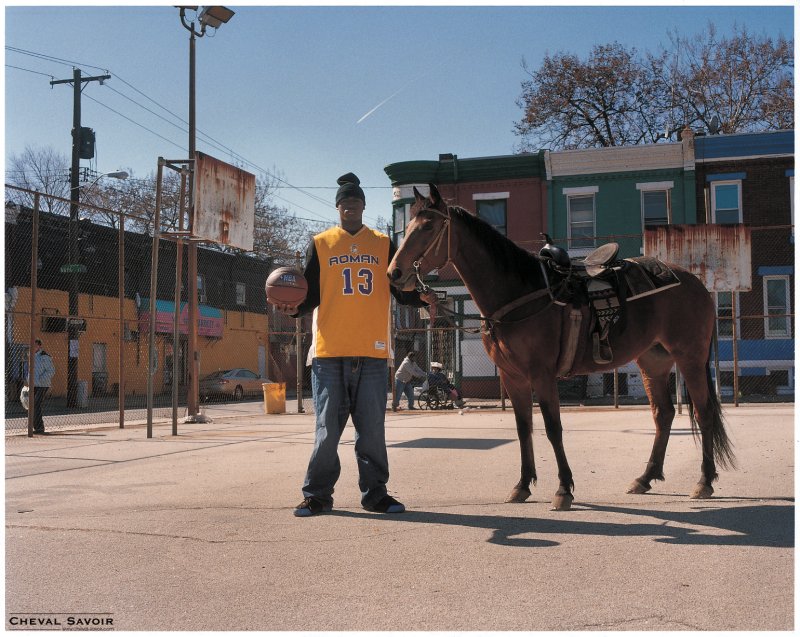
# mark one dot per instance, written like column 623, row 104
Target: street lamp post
column 212, row 17
column 121, row 174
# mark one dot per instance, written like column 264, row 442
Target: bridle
column 495, row 318
column 435, row 245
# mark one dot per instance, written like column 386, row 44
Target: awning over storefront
column 209, row 320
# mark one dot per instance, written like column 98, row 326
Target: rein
column 487, row 322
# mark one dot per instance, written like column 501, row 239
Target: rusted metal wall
column 719, row 255
column 224, row 203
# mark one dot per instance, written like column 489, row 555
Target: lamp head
column 214, row 16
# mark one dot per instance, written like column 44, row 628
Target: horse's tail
column 722, row 446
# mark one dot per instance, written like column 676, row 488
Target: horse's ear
column 417, row 195
column 436, row 198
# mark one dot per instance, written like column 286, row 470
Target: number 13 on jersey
column 362, row 282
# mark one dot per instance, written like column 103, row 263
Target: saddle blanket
column 645, row 276
column 639, row 277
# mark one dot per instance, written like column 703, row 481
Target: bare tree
column 569, row 103
column 736, row 84
column 740, row 83
column 279, row 234
column 41, row 169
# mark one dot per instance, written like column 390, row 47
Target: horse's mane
column 506, row 254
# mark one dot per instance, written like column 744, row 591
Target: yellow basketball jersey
column 353, row 315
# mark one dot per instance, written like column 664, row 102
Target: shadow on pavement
column 750, row 525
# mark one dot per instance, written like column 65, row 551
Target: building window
column 724, row 318
column 201, row 288
column 493, row 212
column 581, row 210
column 791, row 201
column 399, row 222
column 240, row 293
column 726, row 201
column 656, row 203
column 777, row 307
column 655, row 208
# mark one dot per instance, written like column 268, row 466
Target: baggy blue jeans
column 345, row 387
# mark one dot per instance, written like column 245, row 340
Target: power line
column 210, row 141
column 136, row 123
column 11, row 66
column 51, row 58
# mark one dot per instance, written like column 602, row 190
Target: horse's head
column 426, row 245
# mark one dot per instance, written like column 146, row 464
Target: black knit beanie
column 348, row 187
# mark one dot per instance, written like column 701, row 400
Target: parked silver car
column 232, row 383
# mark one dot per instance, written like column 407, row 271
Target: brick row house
column 584, row 198
column 749, row 179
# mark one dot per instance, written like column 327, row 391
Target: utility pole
column 193, row 388
column 72, row 266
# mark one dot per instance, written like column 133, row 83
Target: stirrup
column 601, row 352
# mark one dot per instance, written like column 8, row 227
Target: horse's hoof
column 562, row 502
column 702, row 491
column 638, row 487
column 519, row 494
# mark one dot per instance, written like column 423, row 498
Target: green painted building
column 611, row 194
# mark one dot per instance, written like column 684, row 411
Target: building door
column 99, row 370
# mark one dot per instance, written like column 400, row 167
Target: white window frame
column 656, row 186
column 581, row 191
column 726, row 182
column 787, row 333
column 241, row 293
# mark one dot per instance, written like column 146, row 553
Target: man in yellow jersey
column 348, row 291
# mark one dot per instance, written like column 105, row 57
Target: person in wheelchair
column 438, row 381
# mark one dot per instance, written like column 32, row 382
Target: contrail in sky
column 401, row 89
column 375, row 108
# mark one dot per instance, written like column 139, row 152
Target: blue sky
column 287, row 88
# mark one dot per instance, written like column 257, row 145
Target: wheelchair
column 436, row 398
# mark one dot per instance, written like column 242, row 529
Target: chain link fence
column 83, row 288
column 755, row 331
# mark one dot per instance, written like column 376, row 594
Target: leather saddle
column 598, row 263
column 591, row 281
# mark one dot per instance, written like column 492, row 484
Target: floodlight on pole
column 207, row 17
column 214, row 16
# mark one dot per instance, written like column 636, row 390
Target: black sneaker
column 387, row 504
column 312, row 506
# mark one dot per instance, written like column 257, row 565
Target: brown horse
column 673, row 326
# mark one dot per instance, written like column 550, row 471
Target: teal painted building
column 598, row 195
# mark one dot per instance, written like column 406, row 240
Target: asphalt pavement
column 107, row 529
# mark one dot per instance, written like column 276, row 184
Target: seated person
column 437, row 378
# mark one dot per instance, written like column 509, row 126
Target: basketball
column 286, row 286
